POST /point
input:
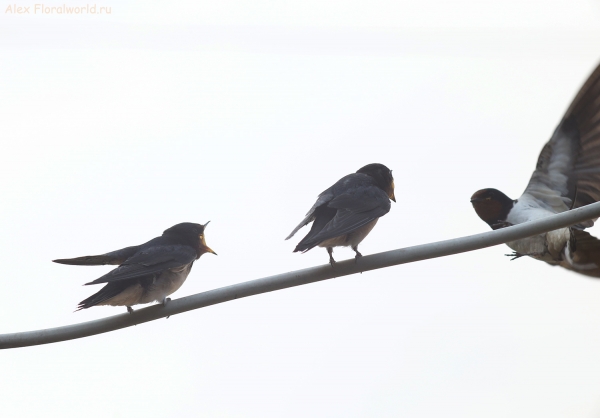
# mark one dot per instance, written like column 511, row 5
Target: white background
column 115, row 127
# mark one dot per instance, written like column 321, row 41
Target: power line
column 300, row 277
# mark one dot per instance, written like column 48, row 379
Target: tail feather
column 107, row 292
column 114, row 258
column 88, row 260
column 582, row 255
column 309, row 218
column 323, row 215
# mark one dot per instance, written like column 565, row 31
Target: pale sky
column 117, row 126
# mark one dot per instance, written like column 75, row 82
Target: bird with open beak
column 567, row 176
column 345, row 213
column 148, row 272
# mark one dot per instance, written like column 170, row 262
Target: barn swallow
column 345, row 213
column 567, row 176
column 148, row 272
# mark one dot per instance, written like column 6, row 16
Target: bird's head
column 383, row 177
column 492, row 205
column 192, row 233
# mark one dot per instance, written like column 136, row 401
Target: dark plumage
column 345, row 213
column 147, row 272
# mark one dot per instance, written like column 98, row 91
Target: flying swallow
column 148, row 272
column 345, row 213
column 567, row 176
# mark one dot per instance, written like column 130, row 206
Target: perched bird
column 567, row 176
column 147, row 272
column 345, row 213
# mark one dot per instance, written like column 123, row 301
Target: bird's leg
column 358, row 254
column 501, row 224
column 130, row 309
column 330, row 252
column 515, row 255
column 164, row 302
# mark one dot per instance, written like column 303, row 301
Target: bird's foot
column 164, row 302
column 501, row 224
column 357, row 256
column 515, row 255
column 330, row 252
column 130, row 309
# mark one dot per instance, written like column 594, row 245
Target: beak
column 205, row 247
column 393, row 197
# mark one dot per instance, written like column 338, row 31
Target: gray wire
column 300, row 277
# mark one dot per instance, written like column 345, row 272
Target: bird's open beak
column 206, row 247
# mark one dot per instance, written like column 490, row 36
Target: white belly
column 548, row 246
column 167, row 283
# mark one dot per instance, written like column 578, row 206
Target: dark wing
column 567, row 174
column 107, row 292
column 322, row 216
column 352, row 211
column 114, row 257
column 585, row 114
column 323, row 199
column 152, row 260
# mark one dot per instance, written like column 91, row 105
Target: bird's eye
column 488, row 198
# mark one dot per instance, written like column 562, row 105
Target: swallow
column 567, row 176
column 148, row 272
column 345, row 213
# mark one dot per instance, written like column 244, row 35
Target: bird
column 567, row 176
column 345, row 213
column 148, row 272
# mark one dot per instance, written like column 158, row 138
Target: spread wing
column 567, row 174
column 152, row 260
column 346, row 213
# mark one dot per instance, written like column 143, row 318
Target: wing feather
column 567, row 174
column 323, row 199
column 150, row 261
column 353, row 210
